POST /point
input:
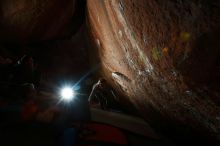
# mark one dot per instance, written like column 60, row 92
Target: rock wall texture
column 23, row 21
column 52, row 31
column 164, row 56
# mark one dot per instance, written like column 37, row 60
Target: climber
column 102, row 93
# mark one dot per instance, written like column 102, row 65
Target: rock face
column 52, row 31
column 164, row 56
column 23, row 21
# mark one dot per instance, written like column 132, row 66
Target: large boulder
column 164, row 56
column 24, row 21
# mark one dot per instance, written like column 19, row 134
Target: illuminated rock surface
column 164, row 56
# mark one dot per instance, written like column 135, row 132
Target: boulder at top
column 24, row 21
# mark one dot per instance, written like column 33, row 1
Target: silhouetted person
column 26, row 72
column 21, row 76
column 102, row 93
